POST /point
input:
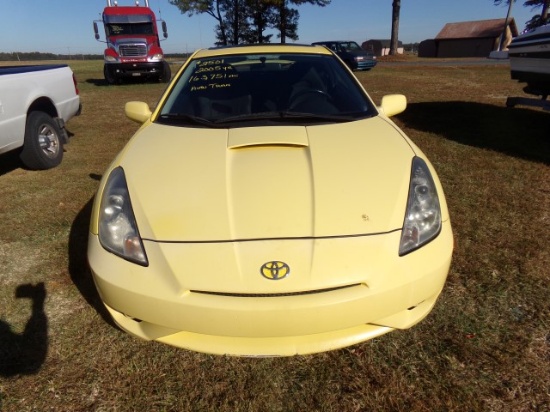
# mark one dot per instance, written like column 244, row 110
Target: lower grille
column 275, row 295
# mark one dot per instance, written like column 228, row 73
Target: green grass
column 485, row 346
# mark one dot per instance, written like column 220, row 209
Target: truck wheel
column 166, row 72
column 43, row 147
column 110, row 78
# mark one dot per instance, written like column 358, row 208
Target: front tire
column 166, row 72
column 43, row 147
column 110, row 78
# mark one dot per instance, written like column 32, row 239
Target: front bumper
column 365, row 64
column 136, row 69
column 379, row 292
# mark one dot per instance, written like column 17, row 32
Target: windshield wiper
column 318, row 116
column 249, row 116
column 188, row 118
column 285, row 115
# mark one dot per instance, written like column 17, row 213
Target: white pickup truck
column 35, row 104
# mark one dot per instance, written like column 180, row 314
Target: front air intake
column 274, row 295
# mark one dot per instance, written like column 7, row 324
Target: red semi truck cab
column 133, row 44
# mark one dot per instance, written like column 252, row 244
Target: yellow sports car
column 267, row 207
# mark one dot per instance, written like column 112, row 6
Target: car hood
column 360, row 53
column 196, row 184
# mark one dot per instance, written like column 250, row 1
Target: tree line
column 40, row 56
column 31, row 56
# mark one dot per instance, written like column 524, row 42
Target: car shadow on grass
column 518, row 132
column 9, row 162
column 97, row 82
column 78, row 262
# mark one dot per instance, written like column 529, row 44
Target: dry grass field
column 485, row 347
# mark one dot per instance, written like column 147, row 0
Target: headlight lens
column 156, row 57
column 423, row 215
column 118, row 232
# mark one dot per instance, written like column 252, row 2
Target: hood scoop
column 267, row 136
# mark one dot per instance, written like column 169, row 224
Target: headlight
column 155, row 57
column 110, row 59
column 423, row 215
column 118, row 232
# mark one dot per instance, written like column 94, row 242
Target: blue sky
column 65, row 26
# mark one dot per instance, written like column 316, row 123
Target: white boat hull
column 529, row 56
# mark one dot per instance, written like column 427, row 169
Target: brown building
column 469, row 39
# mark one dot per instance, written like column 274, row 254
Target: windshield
column 129, row 28
column 265, row 88
column 350, row 46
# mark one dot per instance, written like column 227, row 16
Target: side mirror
column 164, row 30
column 138, row 111
column 393, row 104
column 96, row 31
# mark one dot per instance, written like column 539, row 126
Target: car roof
column 260, row 48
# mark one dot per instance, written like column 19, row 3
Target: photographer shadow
column 24, row 353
